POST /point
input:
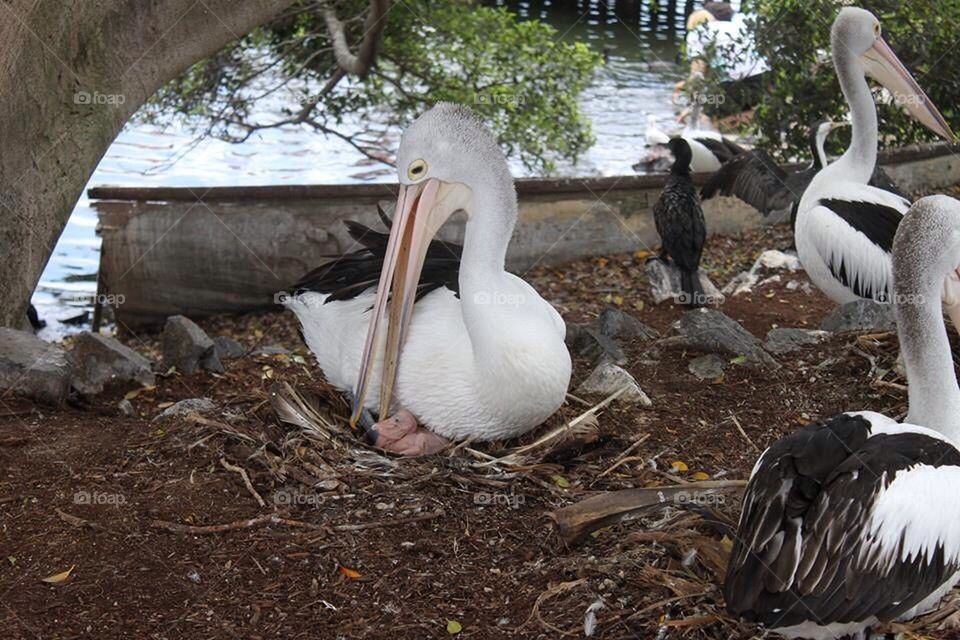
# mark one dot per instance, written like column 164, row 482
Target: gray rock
column 125, row 407
column 620, row 325
column 601, row 341
column 187, row 347
column 101, row 360
column 860, row 315
column 33, row 368
column 785, row 340
column 711, row 330
column 585, row 340
column 708, row 367
column 191, row 405
column 227, row 348
column 608, row 378
column 665, row 283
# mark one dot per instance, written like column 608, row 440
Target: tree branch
column 358, row 64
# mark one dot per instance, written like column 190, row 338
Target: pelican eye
column 417, row 169
column 876, row 29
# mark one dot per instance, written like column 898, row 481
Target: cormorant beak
column 881, row 63
column 422, row 208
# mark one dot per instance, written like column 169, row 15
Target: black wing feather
column 348, row 275
column 756, row 178
column 815, row 487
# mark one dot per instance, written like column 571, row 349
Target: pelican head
column 445, row 158
column 857, row 33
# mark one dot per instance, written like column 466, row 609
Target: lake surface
column 636, row 80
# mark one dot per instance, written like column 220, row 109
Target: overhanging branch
column 360, row 63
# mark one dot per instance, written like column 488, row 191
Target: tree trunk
column 72, row 72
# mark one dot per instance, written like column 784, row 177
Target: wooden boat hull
column 198, row 251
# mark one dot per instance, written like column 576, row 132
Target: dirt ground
column 164, row 539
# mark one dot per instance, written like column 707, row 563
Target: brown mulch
column 166, row 539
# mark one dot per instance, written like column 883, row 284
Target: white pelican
column 756, row 178
column 844, row 227
column 679, row 220
column 709, row 149
column 480, row 355
column 852, row 521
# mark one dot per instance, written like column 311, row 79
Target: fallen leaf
column 164, row 405
column 739, row 360
column 618, row 300
column 353, row 574
column 454, row 627
column 679, row 465
column 59, row 577
column 130, row 395
column 560, row 481
column 700, row 475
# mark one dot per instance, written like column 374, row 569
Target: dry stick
column 622, row 458
column 231, row 526
column 388, row 523
column 76, row 521
column 744, row 433
column 246, row 479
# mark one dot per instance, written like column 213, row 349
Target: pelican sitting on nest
column 446, row 337
column 851, row 521
column 845, row 228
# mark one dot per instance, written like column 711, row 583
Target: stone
column 708, row 367
column 191, row 405
column 607, row 378
column 586, row 341
column 227, row 348
column 766, row 267
column 125, row 407
column 786, row 340
column 665, row 284
column 100, row 360
column 187, row 347
column 860, row 315
column 620, row 325
column 34, row 368
column 712, row 331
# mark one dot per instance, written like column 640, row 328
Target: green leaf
column 454, row 627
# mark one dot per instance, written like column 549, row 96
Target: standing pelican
column 845, row 228
column 851, row 521
column 480, row 355
column 709, row 149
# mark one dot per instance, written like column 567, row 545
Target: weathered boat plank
column 167, row 251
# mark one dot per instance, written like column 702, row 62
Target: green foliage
column 794, row 37
column 516, row 75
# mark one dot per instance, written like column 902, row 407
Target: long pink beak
column 883, row 64
column 414, row 225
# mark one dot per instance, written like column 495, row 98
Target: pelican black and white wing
column 845, row 523
column 347, row 276
column 851, row 235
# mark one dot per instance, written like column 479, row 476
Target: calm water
column 636, row 79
